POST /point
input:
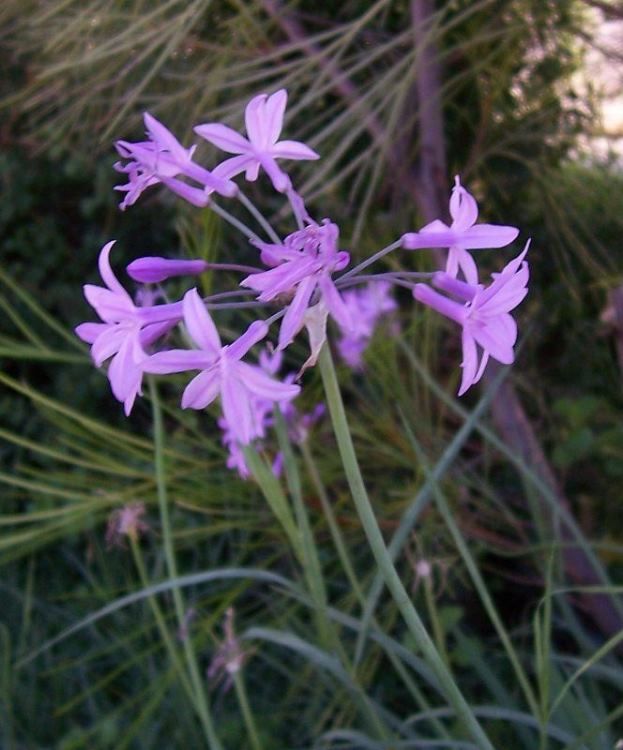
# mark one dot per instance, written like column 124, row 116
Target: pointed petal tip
column 464, row 387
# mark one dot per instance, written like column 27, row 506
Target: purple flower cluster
column 366, row 305
column 301, row 284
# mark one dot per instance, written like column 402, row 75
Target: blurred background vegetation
column 522, row 125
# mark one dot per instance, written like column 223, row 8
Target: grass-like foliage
column 409, row 580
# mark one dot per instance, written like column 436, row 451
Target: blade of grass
column 423, row 498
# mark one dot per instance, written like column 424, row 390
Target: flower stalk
column 383, row 559
column 201, row 699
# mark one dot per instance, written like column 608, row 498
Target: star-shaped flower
column 484, row 314
column 301, row 265
column 261, row 148
column 125, row 332
column 222, row 371
column 162, row 159
column 462, row 235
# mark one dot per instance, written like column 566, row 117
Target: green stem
column 169, row 554
column 349, row 569
column 160, row 621
column 230, row 219
column 259, row 217
column 311, row 564
column 315, row 580
column 247, row 715
column 383, row 559
column 435, row 622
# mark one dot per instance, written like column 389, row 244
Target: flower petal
column 108, row 277
column 195, row 196
column 89, row 332
column 263, row 385
column 254, row 121
column 293, row 319
column 224, row 138
column 335, row 304
column 488, row 236
column 463, row 208
column 234, row 166
column 254, row 333
column 293, row 150
column 493, row 339
column 153, row 270
column 202, row 389
column 165, row 139
column 316, row 323
column 178, row 360
column 199, row 323
column 468, row 265
column 274, row 109
column 461, row 289
column 237, row 408
column 112, row 307
column 125, row 372
column 469, row 364
column 108, row 343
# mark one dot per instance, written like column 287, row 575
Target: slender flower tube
column 153, row 270
column 462, row 235
column 221, row 371
column 163, row 159
column 261, row 148
column 484, row 314
column 125, row 333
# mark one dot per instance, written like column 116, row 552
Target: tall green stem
column 349, row 569
column 247, row 714
column 169, row 554
column 160, row 621
column 383, row 559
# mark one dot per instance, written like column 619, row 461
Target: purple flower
column 462, row 235
column 269, row 362
column 125, row 332
column 483, row 312
column 299, row 425
column 235, row 453
column 366, row 305
column 264, row 121
column 222, row 372
column 301, row 265
column 152, row 270
column 162, row 159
